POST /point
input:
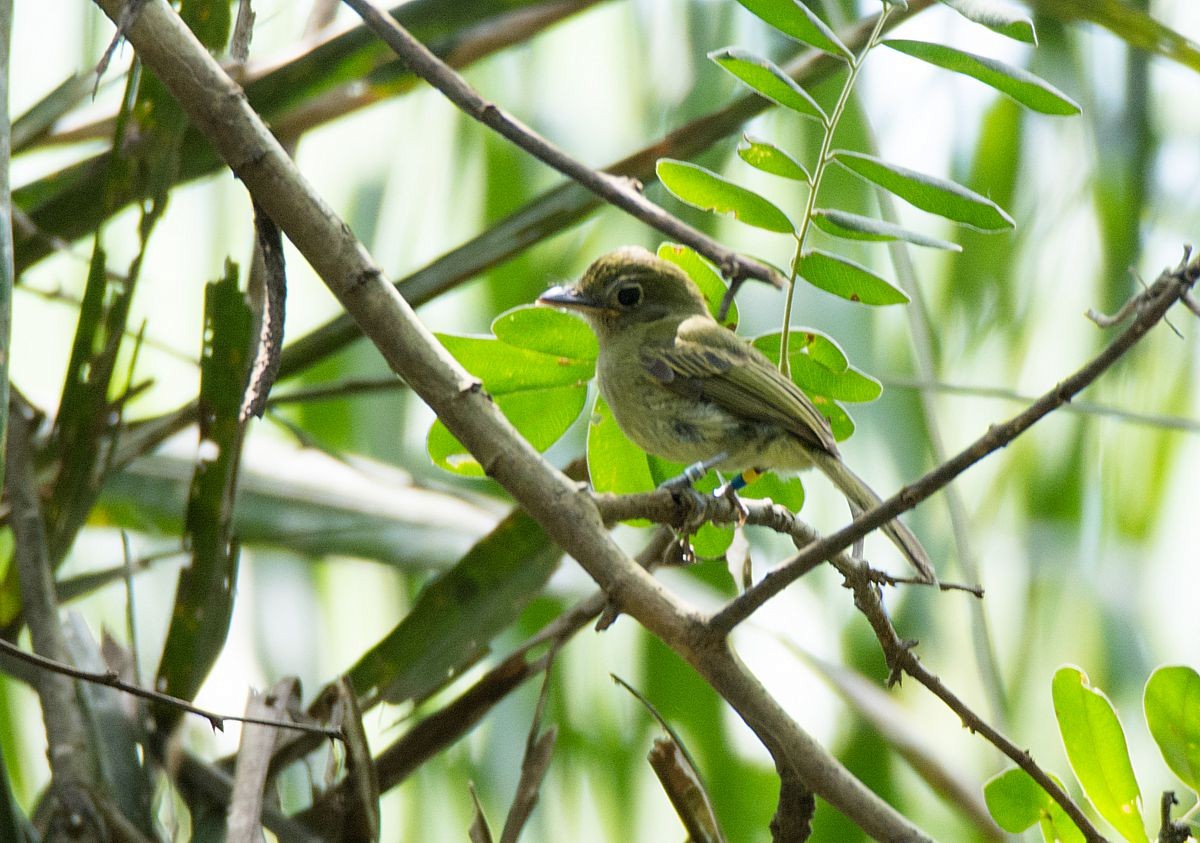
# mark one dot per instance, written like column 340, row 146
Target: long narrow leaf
column 1027, row 89
column 1096, row 748
column 764, row 76
column 850, row 226
column 204, row 597
column 795, row 20
column 998, row 17
column 707, row 191
column 928, row 193
column 1172, row 702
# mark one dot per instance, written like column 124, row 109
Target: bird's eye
column 629, row 295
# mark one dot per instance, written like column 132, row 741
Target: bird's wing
column 708, row 361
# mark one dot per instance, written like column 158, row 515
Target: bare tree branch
column 1151, row 306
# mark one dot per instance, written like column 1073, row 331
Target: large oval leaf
column 1027, row 89
column 797, row 21
column 847, row 279
column 1096, row 748
column 767, row 79
column 1172, row 702
column 944, row 198
column 504, row 368
column 771, row 159
column 850, row 226
column 547, row 330
column 541, row 415
column 998, row 17
column 707, row 191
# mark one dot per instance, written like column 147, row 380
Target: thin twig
column 1152, row 306
column 900, row 658
column 621, row 192
column 112, row 680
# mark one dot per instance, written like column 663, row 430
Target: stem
column 818, row 171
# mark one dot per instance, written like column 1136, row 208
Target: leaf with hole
column 998, row 17
column 850, row 226
column 1021, row 85
column 847, row 279
column 707, row 191
column 763, row 76
column 771, row 159
column 1095, row 745
column 937, row 196
column 797, row 21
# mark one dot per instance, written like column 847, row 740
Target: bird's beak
column 570, row 298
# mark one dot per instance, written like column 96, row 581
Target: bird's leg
column 681, row 486
column 729, row 490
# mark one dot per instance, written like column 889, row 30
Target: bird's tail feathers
column 862, row 497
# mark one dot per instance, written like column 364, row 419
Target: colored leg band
column 745, row 479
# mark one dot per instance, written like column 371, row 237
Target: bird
column 683, row 387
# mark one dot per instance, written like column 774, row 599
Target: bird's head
column 626, row 288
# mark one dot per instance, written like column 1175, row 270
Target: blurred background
column 1083, row 533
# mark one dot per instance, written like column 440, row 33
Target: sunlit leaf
column 504, row 368
column 846, row 384
column 795, row 20
column 541, row 415
column 847, row 279
column 771, row 159
column 766, row 78
column 819, row 346
column 1096, row 748
column 706, row 277
column 928, row 193
column 850, row 226
column 1027, row 89
column 788, row 492
column 1172, row 702
column 998, row 17
column 707, row 191
column 546, row 330
column 1016, row 802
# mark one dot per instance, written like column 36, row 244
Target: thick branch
column 1152, row 306
column 219, row 110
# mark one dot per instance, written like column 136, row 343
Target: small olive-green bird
column 684, row 388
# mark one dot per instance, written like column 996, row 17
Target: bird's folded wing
column 707, row 361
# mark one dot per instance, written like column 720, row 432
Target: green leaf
column 707, row 191
column 819, row 346
column 205, row 594
column 771, row 159
column 1016, row 802
column 847, row 279
column 998, row 17
column 798, row 22
column 1021, row 85
column 813, row 376
column 1172, row 703
column 458, row 612
column 548, row 331
column 788, row 493
column 1096, row 748
column 706, row 277
column 765, row 77
column 850, row 226
column 505, row 368
column 944, row 198
column 541, row 415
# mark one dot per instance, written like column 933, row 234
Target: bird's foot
column 728, row 491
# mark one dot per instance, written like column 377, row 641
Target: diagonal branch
column 218, row 109
column 1152, row 306
column 621, row 192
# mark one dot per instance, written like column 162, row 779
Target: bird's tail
column 862, row 497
